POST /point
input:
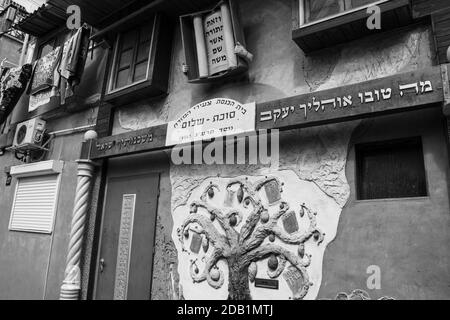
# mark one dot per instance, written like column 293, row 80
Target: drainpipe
column 71, row 287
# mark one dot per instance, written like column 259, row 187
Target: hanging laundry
column 45, row 79
column 44, row 71
column 12, row 85
column 73, row 61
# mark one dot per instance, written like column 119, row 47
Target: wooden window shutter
column 35, row 204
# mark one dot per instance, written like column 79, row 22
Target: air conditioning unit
column 29, row 134
column 11, row 14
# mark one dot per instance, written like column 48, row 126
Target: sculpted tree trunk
column 238, row 285
column 242, row 250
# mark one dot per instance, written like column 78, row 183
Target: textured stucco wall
column 20, row 257
column 280, row 69
column 406, row 238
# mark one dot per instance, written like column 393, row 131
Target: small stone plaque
column 266, row 283
column 273, row 192
column 124, row 247
column 290, row 222
column 294, row 279
column 196, row 243
column 229, row 198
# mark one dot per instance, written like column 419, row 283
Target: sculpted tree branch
column 272, row 228
column 298, row 238
column 225, row 220
column 265, row 229
column 274, row 250
column 201, row 225
column 215, row 279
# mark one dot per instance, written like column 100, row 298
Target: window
column 46, row 48
column 132, row 57
column 319, row 24
column 393, row 169
column 140, row 58
column 34, row 204
column 315, row 10
column 36, row 196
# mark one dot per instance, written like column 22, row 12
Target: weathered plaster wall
column 165, row 259
column 406, row 238
column 19, row 256
column 317, row 156
column 10, row 49
column 32, row 265
column 280, row 68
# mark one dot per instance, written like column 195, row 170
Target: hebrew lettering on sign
column 211, row 119
column 345, row 101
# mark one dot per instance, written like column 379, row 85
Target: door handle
column 102, row 264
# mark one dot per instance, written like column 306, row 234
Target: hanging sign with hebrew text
column 212, row 119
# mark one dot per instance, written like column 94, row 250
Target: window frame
column 112, row 72
column 380, row 145
column 156, row 84
column 302, row 12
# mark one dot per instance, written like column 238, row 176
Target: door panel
column 129, row 221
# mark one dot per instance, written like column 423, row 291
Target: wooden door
column 125, row 260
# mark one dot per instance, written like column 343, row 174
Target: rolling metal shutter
column 34, row 205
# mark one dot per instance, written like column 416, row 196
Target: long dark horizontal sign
column 153, row 138
column 375, row 97
column 397, row 93
column 266, row 283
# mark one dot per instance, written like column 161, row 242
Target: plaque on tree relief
column 267, row 283
column 294, row 279
column 124, row 247
column 290, row 222
column 273, row 192
column 229, row 198
column 196, row 243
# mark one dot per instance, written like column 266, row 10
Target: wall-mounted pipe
column 71, row 131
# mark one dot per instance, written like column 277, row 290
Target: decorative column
column 70, row 289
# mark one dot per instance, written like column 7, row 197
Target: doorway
column 125, row 258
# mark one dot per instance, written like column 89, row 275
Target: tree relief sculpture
column 235, row 230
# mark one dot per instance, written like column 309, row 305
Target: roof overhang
column 101, row 14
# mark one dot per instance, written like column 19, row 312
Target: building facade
column 11, row 40
column 175, row 197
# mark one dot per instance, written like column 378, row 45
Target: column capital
column 86, row 167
